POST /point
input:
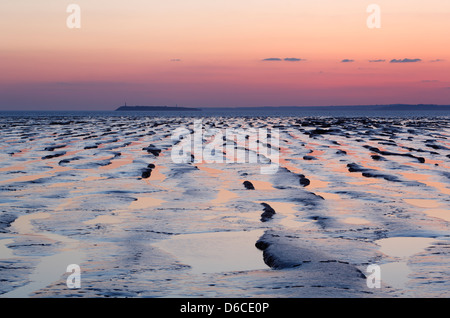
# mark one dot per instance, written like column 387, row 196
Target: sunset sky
column 210, row 53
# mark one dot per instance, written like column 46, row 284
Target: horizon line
column 229, row 107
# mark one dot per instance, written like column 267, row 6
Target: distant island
column 155, row 108
column 388, row 107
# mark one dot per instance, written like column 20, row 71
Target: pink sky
column 211, row 53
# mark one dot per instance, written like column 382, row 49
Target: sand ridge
column 110, row 185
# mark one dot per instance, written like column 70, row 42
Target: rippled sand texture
column 104, row 193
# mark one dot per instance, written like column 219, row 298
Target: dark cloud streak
column 271, row 59
column 293, row 59
column 405, row 60
column 287, row 59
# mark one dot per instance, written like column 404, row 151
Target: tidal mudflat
column 106, row 194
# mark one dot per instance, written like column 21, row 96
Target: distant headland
column 155, row 108
column 335, row 108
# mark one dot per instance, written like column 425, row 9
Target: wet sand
column 104, row 193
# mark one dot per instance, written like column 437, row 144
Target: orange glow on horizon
column 150, row 48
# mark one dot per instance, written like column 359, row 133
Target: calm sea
column 247, row 112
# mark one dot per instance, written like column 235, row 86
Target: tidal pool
column 216, row 251
column 396, row 274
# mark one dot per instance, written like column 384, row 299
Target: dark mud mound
column 316, row 269
column 268, row 213
column 248, row 185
